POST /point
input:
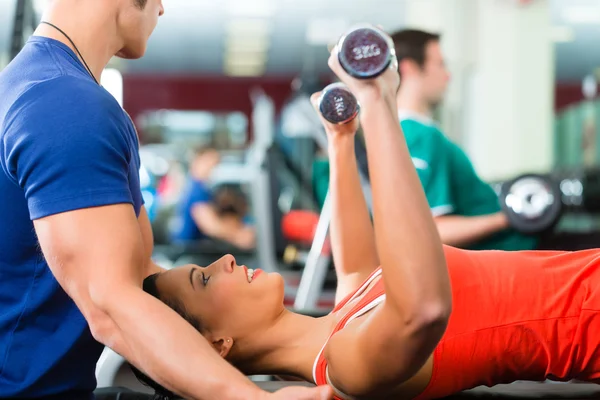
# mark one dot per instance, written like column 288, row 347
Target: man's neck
column 93, row 31
column 410, row 101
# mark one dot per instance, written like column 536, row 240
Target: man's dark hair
column 412, row 43
column 141, row 4
column 151, row 288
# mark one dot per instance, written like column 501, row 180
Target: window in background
column 237, row 126
column 112, row 80
column 189, row 129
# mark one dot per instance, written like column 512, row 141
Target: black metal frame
column 24, row 23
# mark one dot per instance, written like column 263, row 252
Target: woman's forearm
column 408, row 243
column 352, row 235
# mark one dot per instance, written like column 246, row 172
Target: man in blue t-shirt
column 75, row 240
column 199, row 215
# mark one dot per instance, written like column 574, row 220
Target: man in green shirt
column 466, row 209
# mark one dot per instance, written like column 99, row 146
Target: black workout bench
column 515, row 391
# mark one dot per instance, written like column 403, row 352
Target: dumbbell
column 532, row 203
column 365, row 52
column 337, row 104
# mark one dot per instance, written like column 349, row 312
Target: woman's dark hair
column 176, row 305
column 160, row 393
column 151, row 288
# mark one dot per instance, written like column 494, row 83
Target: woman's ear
column 223, row 346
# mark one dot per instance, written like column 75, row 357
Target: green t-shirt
column 451, row 184
column 449, row 180
column 320, row 179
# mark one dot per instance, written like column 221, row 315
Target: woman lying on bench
column 413, row 318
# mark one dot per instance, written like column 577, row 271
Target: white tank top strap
column 368, row 307
column 365, row 285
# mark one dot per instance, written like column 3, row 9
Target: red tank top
column 527, row 315
column 370, row 300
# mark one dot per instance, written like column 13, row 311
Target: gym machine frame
column 317, row 261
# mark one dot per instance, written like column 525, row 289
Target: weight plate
column 532, row 203
column 365, row 52
column 337, row 104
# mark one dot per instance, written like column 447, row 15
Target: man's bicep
column 148, row 240
column 92, row 251
column 146, row 231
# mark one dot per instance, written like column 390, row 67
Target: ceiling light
column 247, row 44
column 248, row 26
column 244, row 70
column 245, row 58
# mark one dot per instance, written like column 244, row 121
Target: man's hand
column 302, row 393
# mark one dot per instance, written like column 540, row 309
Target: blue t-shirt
column 185, row 228
column 65, row 144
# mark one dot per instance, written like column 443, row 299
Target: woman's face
column 229, row 300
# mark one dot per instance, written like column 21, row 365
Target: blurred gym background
column 235, row 75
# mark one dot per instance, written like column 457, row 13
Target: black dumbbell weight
column 532, row 203
column 365, row 52
column 337, row 104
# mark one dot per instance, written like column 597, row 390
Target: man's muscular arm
column 103, row 276
column 148, row 241
column 458, row 230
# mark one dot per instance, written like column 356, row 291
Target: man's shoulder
column 62, row 111
column 73, row 91
column 425, row 141
column 38, row 78
column 60, row 99
column 421, row 129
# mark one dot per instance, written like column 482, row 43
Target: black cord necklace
column 76, row 49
